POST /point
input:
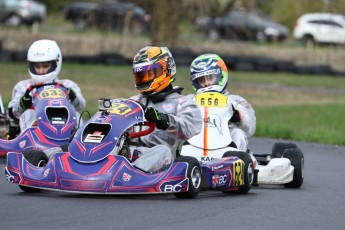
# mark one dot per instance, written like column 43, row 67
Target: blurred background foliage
column 167, row 15
column 283, row 11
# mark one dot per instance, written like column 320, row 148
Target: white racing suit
column 158, row 149
column 26, row 117
column 241, row 131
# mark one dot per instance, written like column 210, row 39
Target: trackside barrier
column 185, row 56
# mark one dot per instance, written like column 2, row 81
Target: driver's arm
column 187, row 121
column 248, row 118
column 18, row 91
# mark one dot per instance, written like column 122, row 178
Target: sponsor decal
column 208, row 158
column 22, row 144
column 101, row 119
column 126, row 177
column 55, row 103
column 172, row 188
column 138, row 69
column 169, row 108
column 214, row 168
column 169, row 186
column 219, row 180
column 215, row 180
column 46, row 172
column 11, row 178
column 57, row 121
column 214, row 121
column 96, row 137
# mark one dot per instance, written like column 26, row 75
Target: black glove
column 26, row 102
column 236, row 117
column 71, row 94
column 161, row 119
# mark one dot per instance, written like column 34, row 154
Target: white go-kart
column 284, row 166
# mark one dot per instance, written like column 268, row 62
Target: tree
column 165, row 22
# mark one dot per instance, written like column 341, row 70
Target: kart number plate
column 119, row 109
column 211, row 100
column 52, row 93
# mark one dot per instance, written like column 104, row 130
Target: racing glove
column 236, row 117
column 26, row 102
column 71, row 94
column 161, row 119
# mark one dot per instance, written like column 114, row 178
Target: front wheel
column 297, row 161
column 248, row 170
column 36, row 158
column 279, row 148
column 194, row 177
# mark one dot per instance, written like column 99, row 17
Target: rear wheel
column 248, row 170
column 297, row 161
column 194, row 176
column 36, row 158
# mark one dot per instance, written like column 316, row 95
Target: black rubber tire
column 279, row 147
column 36, row 158
column 248, row 170
column 194, row 176
column 296, row 157
column 64, row 147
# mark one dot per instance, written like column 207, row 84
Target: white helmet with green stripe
column 209, row 66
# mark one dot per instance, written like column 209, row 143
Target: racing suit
column 241, row 131
column 158, row 149
column 26, row 117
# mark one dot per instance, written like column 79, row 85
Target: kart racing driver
column 209, row 73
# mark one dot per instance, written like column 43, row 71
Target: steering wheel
column 36, row 86
column 151, row 126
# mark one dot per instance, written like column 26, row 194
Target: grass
column 288, row 106
column 312, row 123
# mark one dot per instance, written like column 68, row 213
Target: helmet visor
column 146, row 74
column 42, row 68
column 207, row 80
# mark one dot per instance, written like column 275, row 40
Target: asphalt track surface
column 318, row 204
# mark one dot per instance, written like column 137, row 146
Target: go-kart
column 56, row 119
column 285, row 165
column 98, row 161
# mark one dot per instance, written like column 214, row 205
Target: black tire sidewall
column 297, row 161
column 192, row 163
column 35, row 157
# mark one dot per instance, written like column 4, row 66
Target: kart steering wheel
column 151, row 126
column 36, row 86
